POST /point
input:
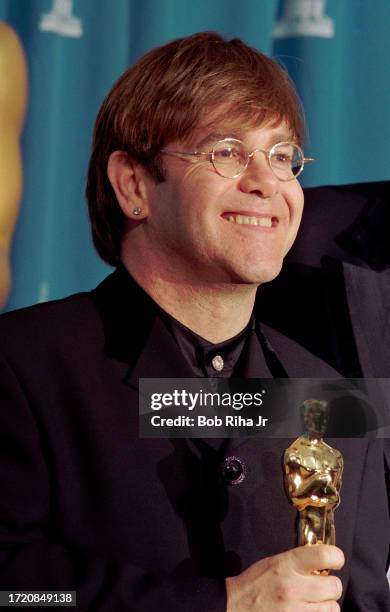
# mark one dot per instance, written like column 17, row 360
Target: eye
column 283, row 158
column 227, row 153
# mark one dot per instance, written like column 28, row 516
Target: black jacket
column 148, row 524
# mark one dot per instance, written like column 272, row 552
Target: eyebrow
column 213, row 137
column 282, row 137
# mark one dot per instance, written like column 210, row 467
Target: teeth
column 242, row 220
column 265, row 221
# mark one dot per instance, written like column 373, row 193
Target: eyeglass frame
column 267, row 153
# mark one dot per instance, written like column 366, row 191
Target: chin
column 257, row 275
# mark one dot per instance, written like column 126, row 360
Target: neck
column 214, row 311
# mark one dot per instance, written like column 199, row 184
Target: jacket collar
column 134, row 333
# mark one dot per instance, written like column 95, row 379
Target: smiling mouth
column 247, row 220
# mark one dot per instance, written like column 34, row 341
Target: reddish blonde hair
column 165, row 96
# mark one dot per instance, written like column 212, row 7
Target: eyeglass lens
column 230, row 158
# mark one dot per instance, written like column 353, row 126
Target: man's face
column 204, row 226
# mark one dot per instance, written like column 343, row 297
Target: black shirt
column 229, row 358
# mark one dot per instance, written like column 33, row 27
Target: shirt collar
column 212, row 360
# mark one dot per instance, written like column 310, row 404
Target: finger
column 320, row 589
column 305, row 559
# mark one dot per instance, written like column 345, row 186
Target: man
column 192, row 193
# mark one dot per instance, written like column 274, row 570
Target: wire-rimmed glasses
column 230, row 158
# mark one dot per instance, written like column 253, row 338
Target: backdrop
column 336, row 51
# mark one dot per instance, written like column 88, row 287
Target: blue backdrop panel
column 336, row 52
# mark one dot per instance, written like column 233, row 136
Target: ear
column 128, row 180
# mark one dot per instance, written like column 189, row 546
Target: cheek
column 294, row 198
column 202, row 197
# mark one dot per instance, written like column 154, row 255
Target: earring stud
column 137, row 211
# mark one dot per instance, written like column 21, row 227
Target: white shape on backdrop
column 304, row 18
column 61, row 21
column 43, row 292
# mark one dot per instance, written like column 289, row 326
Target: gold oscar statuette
column 312, row 475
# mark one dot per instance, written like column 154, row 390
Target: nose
column 259, row 177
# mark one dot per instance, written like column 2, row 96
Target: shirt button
column 218, row 363
column 233, row 470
